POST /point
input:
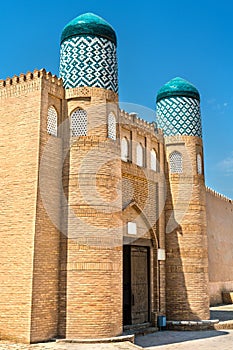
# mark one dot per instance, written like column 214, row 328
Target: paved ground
column 54, row 346
column 222, row 312
column 202, row 340
column 165, row 340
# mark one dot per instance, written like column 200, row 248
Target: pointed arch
column 176, row 162
column 139, row 155
column 79, row 123
column 125, row 149
column 153, row 160
column 133, row 204
column 52, row 121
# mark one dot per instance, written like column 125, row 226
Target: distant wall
column 220, row 241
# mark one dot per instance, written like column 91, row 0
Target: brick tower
column 93, row 266
column 178, row 113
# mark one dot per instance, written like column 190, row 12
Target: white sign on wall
column 161, row 254
column 132, row 228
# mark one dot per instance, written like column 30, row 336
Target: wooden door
column 139, row 285
column 127, row 285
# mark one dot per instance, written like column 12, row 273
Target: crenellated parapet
column 132, row 119
column 28, row 82
column 218, row 195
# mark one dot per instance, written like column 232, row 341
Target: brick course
column 63, row 267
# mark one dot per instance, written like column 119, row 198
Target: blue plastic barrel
column 161, row 321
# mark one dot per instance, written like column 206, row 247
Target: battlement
column 219, row 195
column 29, row 76
column 31, row 81
column 133, row 119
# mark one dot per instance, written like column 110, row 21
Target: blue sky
column 157, row 41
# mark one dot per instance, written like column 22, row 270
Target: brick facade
column 66, row 218
column 186, row 237
column 66, row 204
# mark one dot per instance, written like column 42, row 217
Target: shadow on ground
column 172, row 337
column 222, row 313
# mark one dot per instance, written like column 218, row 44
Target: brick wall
column 143, row 200
column 220, row 245
column 69, row 283
column 94, row 244
column 20, row 102
column 186, row 239
column 29, row 260
column 44, row 313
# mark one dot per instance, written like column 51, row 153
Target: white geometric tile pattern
column 52, row 121
column 179, row 116
column 89, row 61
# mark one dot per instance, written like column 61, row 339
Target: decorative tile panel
column 89, row 61
column 179, row 116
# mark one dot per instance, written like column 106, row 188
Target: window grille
column 153, row 160
column 125, row 149
column 112, row 126
column 52, row 121
column 176, row 162
column 79, row 123
column 199, row 164
column 139, row 159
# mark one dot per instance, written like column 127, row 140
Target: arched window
column 112, row 126
column 52, row 121
column 199, row 164
column 125, row 149
column 176, row 162
column 139, row 157
column 79, row 123
column 153, row 160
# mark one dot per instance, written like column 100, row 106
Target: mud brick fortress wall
column 219, row 212
column 103, row 215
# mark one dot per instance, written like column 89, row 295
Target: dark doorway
column 136, row 292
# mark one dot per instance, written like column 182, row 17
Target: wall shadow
column 174, row 337
column 184, row 270
column 221, row 315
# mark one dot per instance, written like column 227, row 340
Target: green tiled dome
column 178, row 87
column 89, row 24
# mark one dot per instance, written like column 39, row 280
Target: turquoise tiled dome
column 89, row 24
column 178, row 87
column 178, row 109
